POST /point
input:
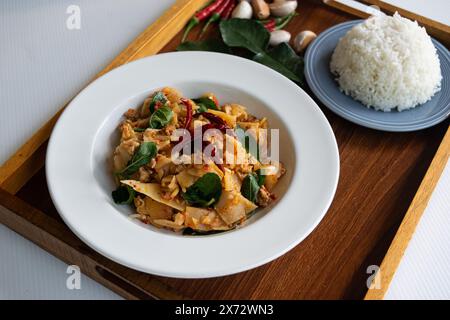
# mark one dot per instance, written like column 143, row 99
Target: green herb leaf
column 213, row 45
column 205, row 191
column 204, row 104
column 160, row 118
column 123, row 195
column 270, row 62
column 202, row 108
column 284, row 54
column 139, row 129
column 158, row 97
column 250, row 187
column 245, row 33
column 252, row 35
column 260, row 177
column 147, row 151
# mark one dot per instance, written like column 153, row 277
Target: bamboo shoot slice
column 153, row 190
column 233, row 206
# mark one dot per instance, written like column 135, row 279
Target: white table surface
column 424, row 269
column 43, row 64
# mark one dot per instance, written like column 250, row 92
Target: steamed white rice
column 387, row 63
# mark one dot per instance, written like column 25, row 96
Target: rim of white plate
column 92, row 216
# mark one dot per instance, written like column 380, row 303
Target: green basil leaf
column 260, row 178
column 139, row 129
column 123, row 195
column 158, row 97
column 160, row 118
column 147, row 151
column 213, row 45
column 205, row 191
column 202, row 108
column 204, row 104
column 245, row 33
column 284, row 54
column 250, row 187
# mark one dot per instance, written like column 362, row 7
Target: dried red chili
column 188, row 106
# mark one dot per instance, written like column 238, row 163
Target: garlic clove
column 302, row 40
column 242, row 11
column 261, row 9
column 281, row 8
column 279, row 36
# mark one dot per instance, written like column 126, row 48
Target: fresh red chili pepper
column 270, row 26
column 206, row 12
column 227, row 12
column 279, row 19
column 200, row 16
column 188, row 105
column 278, row 23
column 216, row 15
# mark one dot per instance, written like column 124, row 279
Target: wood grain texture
column 345, row 8
column 411, row 220
column 380, row 173
column 30, row 157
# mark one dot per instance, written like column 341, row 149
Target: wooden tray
column 380, row 174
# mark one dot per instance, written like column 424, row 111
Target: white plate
column 80, row 179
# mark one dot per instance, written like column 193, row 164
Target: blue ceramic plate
column 324, row 86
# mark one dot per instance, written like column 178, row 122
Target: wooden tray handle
column 47, row 233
